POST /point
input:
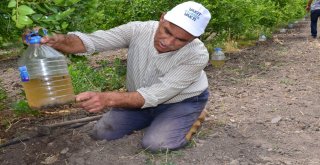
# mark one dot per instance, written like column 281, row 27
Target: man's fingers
column 89, row 101
column 44, row 39
column 90, row 106
column 94, row 110
column 83, row 96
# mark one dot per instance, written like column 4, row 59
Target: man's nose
column 170, row 41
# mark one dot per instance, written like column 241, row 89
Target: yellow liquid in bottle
column 49, row 91
column 217, row 63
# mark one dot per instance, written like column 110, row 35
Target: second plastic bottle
column 217, row 58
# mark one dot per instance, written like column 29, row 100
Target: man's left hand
column 91, row 101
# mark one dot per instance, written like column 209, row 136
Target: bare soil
column 264, row 109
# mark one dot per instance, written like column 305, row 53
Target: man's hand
column 61, row 42
column 308, row 8
column 27, row 32
column 308, row 5
column 52, row 40
column 45, row 38
column 92, row 101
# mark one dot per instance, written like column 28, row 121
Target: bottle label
column 24, row 74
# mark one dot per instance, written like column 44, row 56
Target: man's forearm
column 66, row 43
column 124, row 99
column 97, row 101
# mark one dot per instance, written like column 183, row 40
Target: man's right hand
column 61, row 42
column 38, row 31
column 53, row 40
column 308, row 8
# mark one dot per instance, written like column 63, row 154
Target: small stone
column 210, row 118
column 50, row 144
column 235, row 162
column 259, row 122
column 214, row 135
column 79, row 161
column 258, row 145
column 64, row 151
column 276, row 120
column 50, row 160
column 283, row 30
column 267, row 63
column 87, row 151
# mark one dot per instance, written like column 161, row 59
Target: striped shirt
column 315, row 5
column 161, row 78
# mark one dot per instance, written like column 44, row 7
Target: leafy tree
column 230, row 18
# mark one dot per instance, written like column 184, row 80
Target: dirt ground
column 264, row 109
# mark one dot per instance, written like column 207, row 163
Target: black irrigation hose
column 16, row 140
column 26, row 138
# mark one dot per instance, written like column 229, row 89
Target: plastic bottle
column 44, row 75
column 218, row 58
column 262, row 38
column 283, row 30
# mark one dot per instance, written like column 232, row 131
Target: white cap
column 190, row 16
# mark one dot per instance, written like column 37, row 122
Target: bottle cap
column 217, row 49
column 33, row 40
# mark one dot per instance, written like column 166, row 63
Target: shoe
column 312, row 38
column 197, row 124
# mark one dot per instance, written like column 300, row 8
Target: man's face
column 170, row 37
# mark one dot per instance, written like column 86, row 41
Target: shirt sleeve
column 175, row 81
column 102, row 40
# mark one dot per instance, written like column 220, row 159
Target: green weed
column 74, row 58
column 21, row 107
column 5, row 123
column 3, row 97
column 203, row 133
column 286, row 81
column 163, row 158
column 10, row 50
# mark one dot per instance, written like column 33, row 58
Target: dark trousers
column 167, row 124
column 315, row 14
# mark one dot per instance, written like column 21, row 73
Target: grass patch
column 246, row 43
column 10, row 50
column 286, row 81
column 163, row 158
column 3, row 97
column 86, row 78
column 21, row 107
column 231, row 46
